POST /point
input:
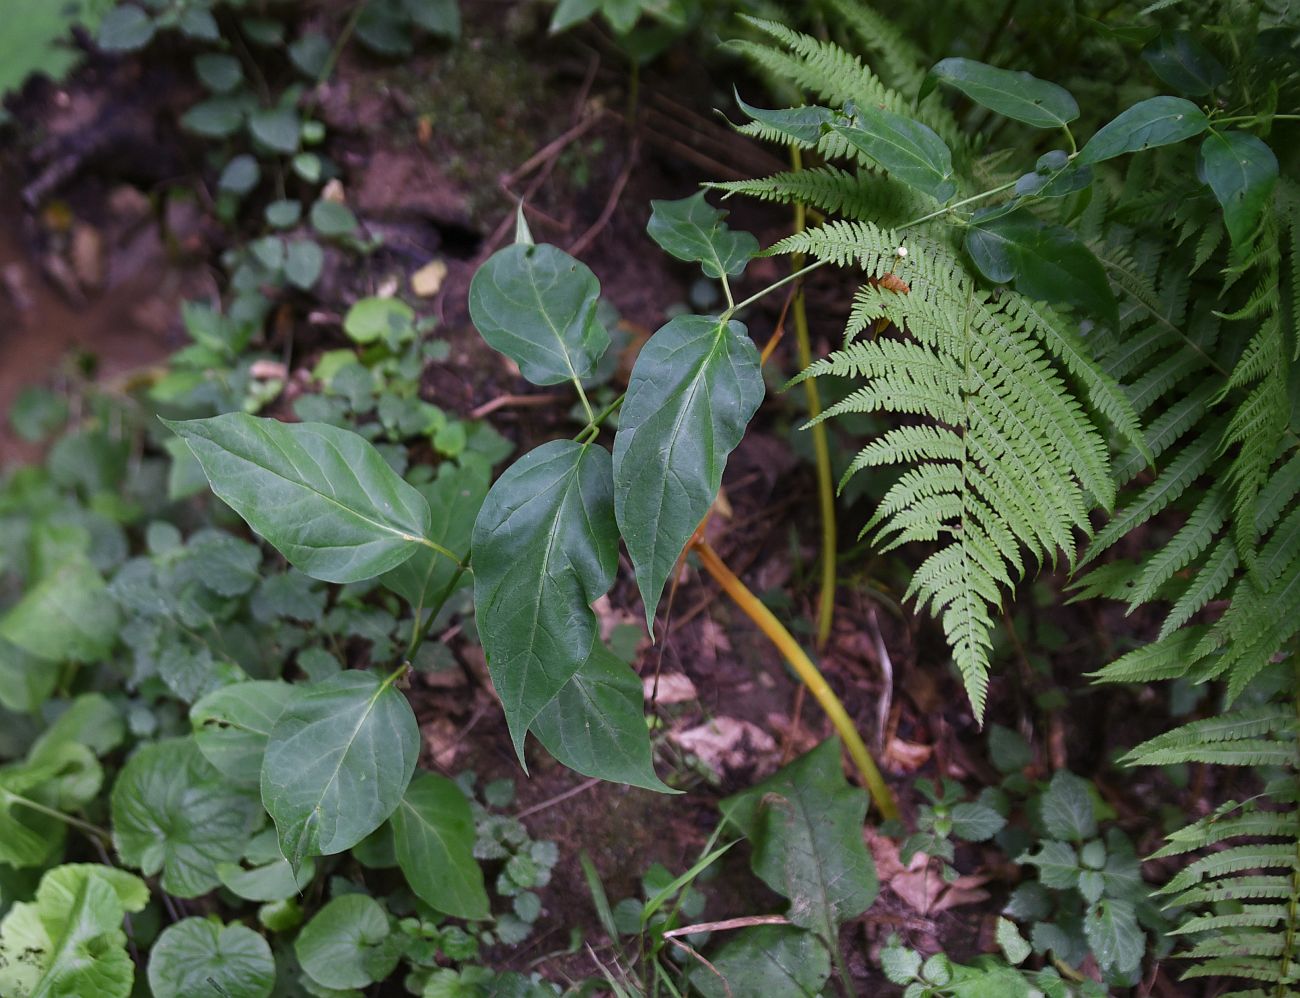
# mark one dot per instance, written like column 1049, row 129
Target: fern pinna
column 1007, row 408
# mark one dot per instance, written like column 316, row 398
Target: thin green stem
column 586, row 406
column 772, row 287
column 726, row 289
column 1069, row 135
column 84, row 826
column 592, row 430
column 445, row 552
column 952, row 207
column 421, row 631
column 344, row 35
column 1237, row 119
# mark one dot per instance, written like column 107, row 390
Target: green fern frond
column 858, row 195
column 1167, row 658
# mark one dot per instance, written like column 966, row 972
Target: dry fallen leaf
column 728, row 743
column 427, row 281
column 674, row 687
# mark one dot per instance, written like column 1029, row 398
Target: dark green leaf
column 278, row 129
column 219, row 72
column 433, row 831
column 438, row 17
column 1184, row 63
column 805, row 824
column 310, row 54
column 1067, row 808
column 173, row 812
column 199, row 24
column 976, row 822
column 692, row 230
column 303, row 261
column 215, row 118
column 766, row 960
column 537, row 305
column 1156, row 121
column 323, row 496
column 1241, row 170
column 196, row 956
column 570, row 12
column 802, row 125
column 1057, row 862
column 283, row 214
column 231, row 726
column 337, row 763
column 910, row 151
column 240, row 175
column 333, row 220
column 348, row 944
column 454, row 499
column 1116, row 939
column 545, row 548
column 596, row 724
column 1046, row 262
column 37, row 413
column 1015, row 95
column 125, row 29
column 693, row 390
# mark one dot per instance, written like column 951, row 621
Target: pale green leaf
column 348, row 944
column 196, row 956
column 1013, row 94
column 1157, row 121
column 231, row 726
column 767, row 960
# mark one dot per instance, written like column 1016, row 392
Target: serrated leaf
column 323, row 496
column 900, row 964
column 1013, row 945
column 545, row 548
column 596, row 723
column 694, row 388
column 1067, row 808
column 1012, row 94
column 693, row 230
column 337, row 763
column 433, row 831
column 1184, row 63
column 1241, row 170
column 805, row 825
column 198, row 955
column 231, row 726
column 1045, row 262
column 1057, row 862
column 976, row 822
column 537, row 305
column 174, row 813
column 1116, row 939
column 455, row 498
column 766, row 960
column 911, row 152
column 348, row 944
column 69, row 941
column 1156, row 121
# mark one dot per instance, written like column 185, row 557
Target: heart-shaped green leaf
column 337, row 763
column 805, row 823
column 231, row 726
column 1156, row 121
column 173, row 812
column 1046, row 262
column 692, row 230
column 910, row 151
column 596, row 725
column 433, row 831
column 199, row 955
column 1012, row 94
column 323, row 496
column 1241, row 170
column 537, row 305
column 545, row 548
column 348, row 944
column 766, row 960
column 693, row 390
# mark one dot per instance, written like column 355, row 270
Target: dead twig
column 584, row 241
column 727, row 924
column 581, row 788
column 513, row 402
